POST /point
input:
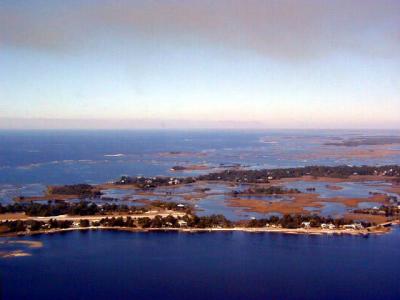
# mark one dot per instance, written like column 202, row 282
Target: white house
column 306, row 224
column 182, row 223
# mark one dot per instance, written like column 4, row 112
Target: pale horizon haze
column 85, row 64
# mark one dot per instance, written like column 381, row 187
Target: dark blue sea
column 121, row 265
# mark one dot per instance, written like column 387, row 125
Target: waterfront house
column 182, row 223
column 306, row 224
column 359, row 226
column 355, row 226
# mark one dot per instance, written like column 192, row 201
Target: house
column 355, row 226
column 306, row 224
column 324, row 226
column 359, row 226
column 182, row 223
column 173, row 181
column 349, row 226
column 331, row 226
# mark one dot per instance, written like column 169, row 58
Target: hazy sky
column 292, row 64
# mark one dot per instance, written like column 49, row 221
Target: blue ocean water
column 121, row 265
column 62, row 157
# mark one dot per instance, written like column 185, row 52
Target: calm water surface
column 121, row 265
column 62, row 157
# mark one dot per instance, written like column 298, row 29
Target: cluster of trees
column 272, row 190
column 53, row 223
column 82, row 190
column 386, row 210
column 82, row 208
column 153, row 182
column 33, row 225
column 13, row 226
column 114, row 222
column 264, row 175
column 295, row 221
column 172, row 206
column 169, row 221
column 159, row 222
column 213, row 221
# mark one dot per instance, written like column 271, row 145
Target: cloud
column 282, row 29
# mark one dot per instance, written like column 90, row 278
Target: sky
column 199, row 64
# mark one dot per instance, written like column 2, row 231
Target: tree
column 84, row 223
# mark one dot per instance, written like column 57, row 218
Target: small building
column 331, row 226
column 359, row 226
column 324, row 226
column 182, row 223
column 306, row 224
column 355, row 226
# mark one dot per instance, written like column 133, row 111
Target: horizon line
column 7, row 123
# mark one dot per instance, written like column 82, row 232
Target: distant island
column 367, row 141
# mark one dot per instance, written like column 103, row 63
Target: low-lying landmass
column 42, row 218
column 367, row 141
column 25, row 216
column 18, row 252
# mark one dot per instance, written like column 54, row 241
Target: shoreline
column 295, row 231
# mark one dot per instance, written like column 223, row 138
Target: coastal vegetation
column 308, row 221
column 82, row 190
column 187, row 221
column 385, row 210
column 153, row 182
column 271, row 190
column 265, row 175
column 85, row 208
